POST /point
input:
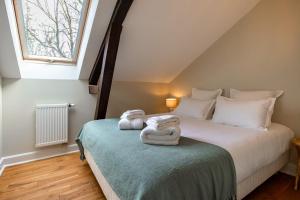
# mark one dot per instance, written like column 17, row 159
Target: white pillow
column 194, row 108
column 248, row 114
column 254, row 94
column 205, row 94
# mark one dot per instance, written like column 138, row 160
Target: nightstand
column 296, row 143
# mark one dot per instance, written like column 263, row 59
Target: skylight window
column 51, row 30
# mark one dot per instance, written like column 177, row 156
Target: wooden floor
column 278, row 187
column 66, row 177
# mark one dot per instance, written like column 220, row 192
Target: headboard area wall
column 262, row 51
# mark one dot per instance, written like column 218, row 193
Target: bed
column 256, row 155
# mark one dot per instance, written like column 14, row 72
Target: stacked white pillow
column 249, row 109
column 194, row 108
column 206, row 94
column 254, row 94
column 245, row 113
column 200, row 105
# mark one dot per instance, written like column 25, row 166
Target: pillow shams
column 248, row 114
column 205, row 94
column 254, row 94
column 194, row 108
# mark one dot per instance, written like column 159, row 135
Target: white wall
column 21, row 95
column 1, row 138
column 19, row 99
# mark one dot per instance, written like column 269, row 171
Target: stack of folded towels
column 132, row 120
column 162, row 130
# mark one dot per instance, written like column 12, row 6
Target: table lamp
column 171, row 103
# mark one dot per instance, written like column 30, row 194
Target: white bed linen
column 250, row 149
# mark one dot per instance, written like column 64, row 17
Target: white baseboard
column 290, row 169
column 36, row 155
column 1, row 166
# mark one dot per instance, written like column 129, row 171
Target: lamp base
column 171, row 109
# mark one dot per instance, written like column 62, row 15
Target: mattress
column 250, row 149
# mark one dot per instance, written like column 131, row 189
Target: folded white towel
column 134, row 124
column 163, row 121
column 158, row 142
column 168, row 136
column 150, row 130
column 162, row 126
column 133, row 114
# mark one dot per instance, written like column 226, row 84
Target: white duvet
column 250, row 149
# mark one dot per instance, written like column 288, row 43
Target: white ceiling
column 8, row 59
column 162, row 37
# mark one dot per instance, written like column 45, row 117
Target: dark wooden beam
column 107, row 56
column 119, row 14
column 121, row 11
column 96, row 71
column 106, row 81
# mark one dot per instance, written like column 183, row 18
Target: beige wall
column 21, row 95
column 262, row 51
column 131, row 95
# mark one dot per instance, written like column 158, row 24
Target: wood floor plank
column 68, row 178
column 279, row 187
column 64, row 177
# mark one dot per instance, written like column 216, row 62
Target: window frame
column 48, row 59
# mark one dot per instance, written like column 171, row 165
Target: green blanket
column 192, row 170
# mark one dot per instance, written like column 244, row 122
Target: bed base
column 243, row 188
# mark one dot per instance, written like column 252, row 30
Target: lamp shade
column 171, row 102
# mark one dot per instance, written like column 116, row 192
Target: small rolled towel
column 168, row 136
column 133, row 124
column 163, row 121
column 133, row 114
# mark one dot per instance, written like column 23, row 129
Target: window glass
column 51, row 30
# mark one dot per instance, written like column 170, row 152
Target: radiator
column 51, row 124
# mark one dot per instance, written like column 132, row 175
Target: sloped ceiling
column 162, row 37
column 8, row 59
